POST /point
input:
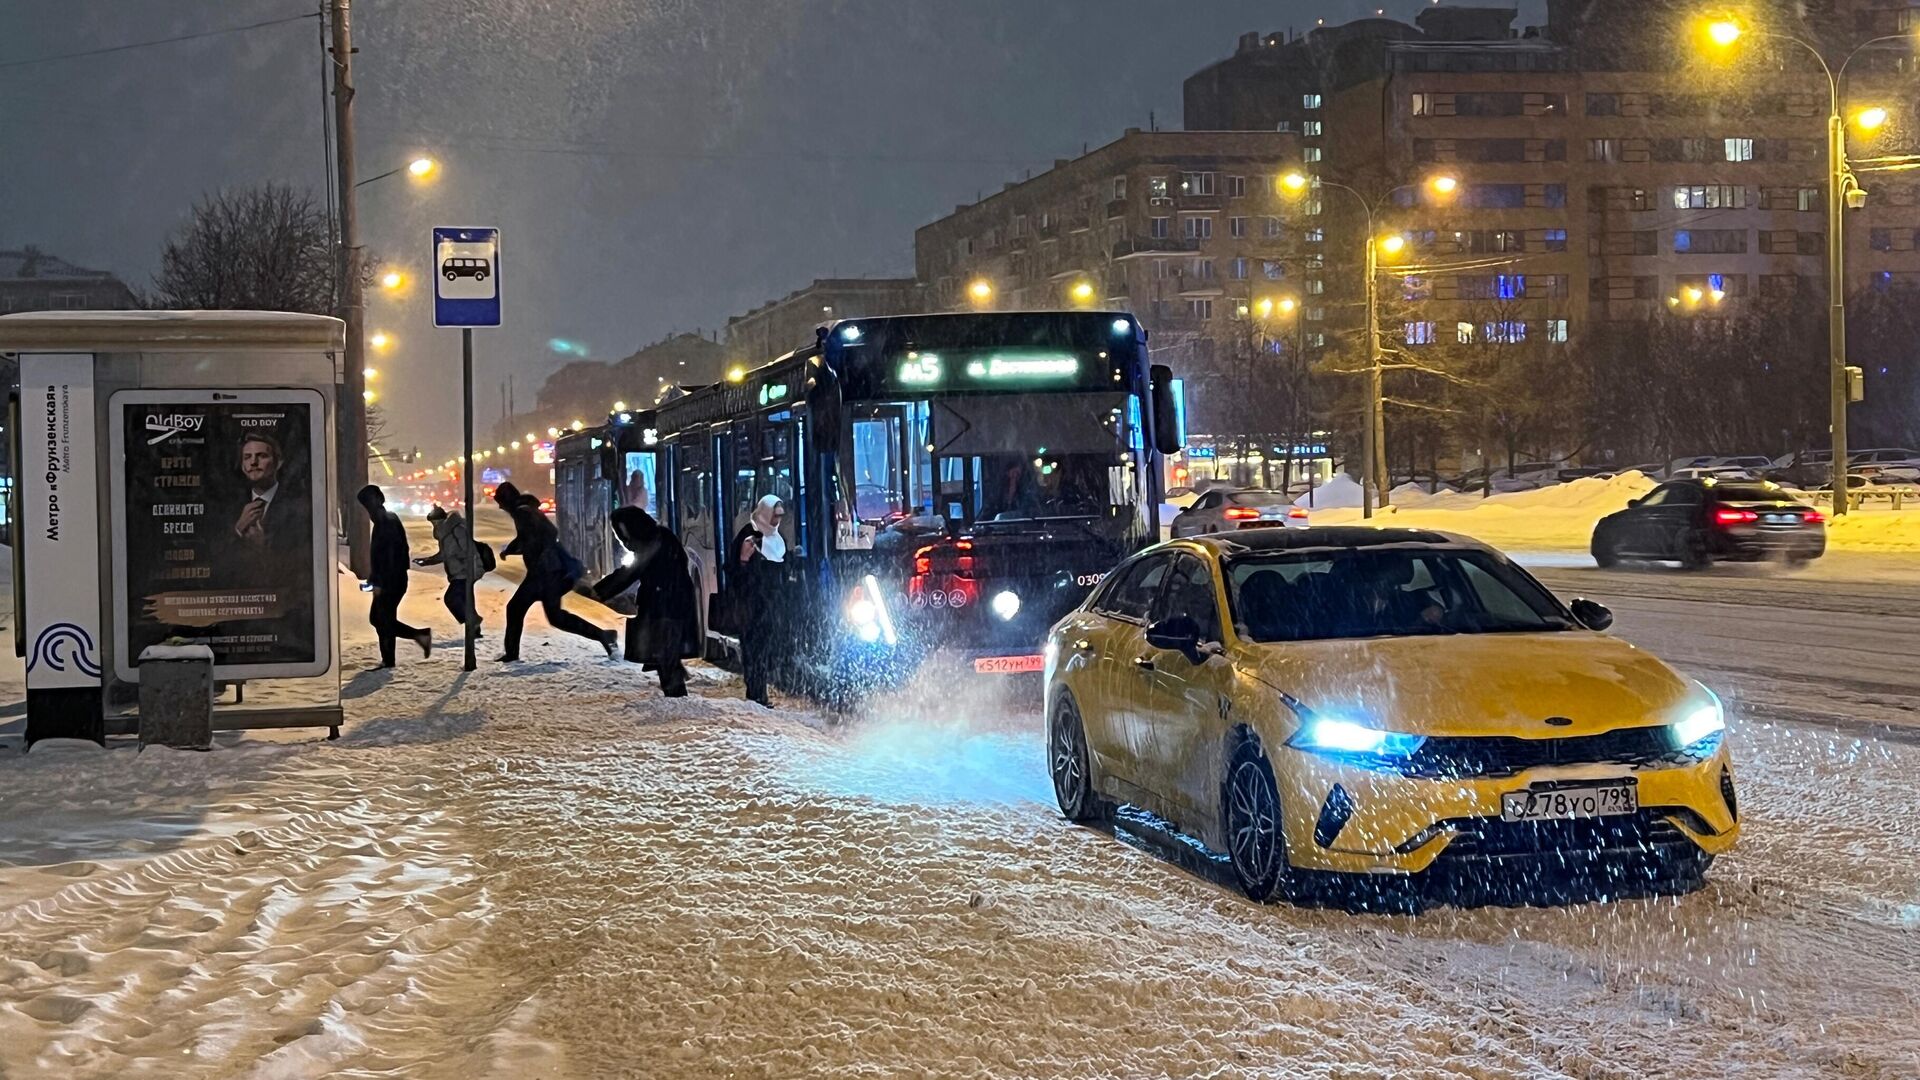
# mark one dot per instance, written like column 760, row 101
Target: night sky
column 656, row 165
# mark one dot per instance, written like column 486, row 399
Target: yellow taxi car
column 1381, row 701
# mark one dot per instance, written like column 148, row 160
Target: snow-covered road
column 553, row 872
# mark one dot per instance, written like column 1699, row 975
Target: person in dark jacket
column 665, row 629
column 458, row 558
column 389, row 578
column 759, row 552
column 550, row 573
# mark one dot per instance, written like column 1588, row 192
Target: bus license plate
column 1560, row 804
column 1009, row 665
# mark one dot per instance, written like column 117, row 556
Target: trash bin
column 176, row 696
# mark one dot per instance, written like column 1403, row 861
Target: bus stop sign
column 466, row 277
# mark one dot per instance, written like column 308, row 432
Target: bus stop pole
column 466, row 470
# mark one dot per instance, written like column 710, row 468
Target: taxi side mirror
column 1177, row 633
column 1594, row 616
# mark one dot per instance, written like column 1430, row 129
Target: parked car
column 1697, row 522
column 1885, row 466
column 1383, row 703
column 1712, row 472
column 1228, row 510
column 1755, row 464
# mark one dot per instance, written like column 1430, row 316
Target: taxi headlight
column 1332, row 735
column 1701, row 724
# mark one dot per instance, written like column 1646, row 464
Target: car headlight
column 1006, row 605
column 1703, row 723
column 1332, row 735
column 867, row 611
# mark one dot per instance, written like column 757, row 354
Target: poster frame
column 126, row 667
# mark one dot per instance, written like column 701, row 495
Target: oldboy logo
column 166, row 426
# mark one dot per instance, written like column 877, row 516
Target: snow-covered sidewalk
column 550, row 871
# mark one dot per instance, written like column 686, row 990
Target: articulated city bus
column 951, row 482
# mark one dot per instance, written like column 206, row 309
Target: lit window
column 1317, row 341
column 1463, row 332
column 1739, row 150
column 1271, row 270
column 1157, row 188
column 1316, row 236
column 1312, row 128
column 1422, row 104
column 1309, row 101
column 1316, row 286
column 1510, row 286
column 1198, row 183
column 1808, row 198
column 1555, row 239
column 1419, row 333
column 1240, row 269
column 1506, row 331
column 1311, row 153
column 1557, row 330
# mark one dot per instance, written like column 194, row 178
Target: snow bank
column 1338, row 493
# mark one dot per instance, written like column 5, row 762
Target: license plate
column 1783, row 519
column 1560, row 804
column 1009, row 665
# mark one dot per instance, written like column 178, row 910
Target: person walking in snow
column 759, row 554
column 664, row 631
column 389, row 578
column 550, row 572
column 458, row 555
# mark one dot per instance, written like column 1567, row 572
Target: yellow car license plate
column 1562, row 803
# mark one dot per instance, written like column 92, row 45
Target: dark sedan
column 1699, row 522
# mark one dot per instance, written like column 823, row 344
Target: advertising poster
column 224, row 527
column 60, row 521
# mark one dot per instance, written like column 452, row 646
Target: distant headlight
column 1006, row 605
column 1702, row 723
column 1330, row 735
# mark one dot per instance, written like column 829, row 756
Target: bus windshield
column 993, row 463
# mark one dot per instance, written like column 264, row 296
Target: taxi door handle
column 1144, row 663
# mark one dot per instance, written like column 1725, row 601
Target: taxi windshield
column 1385, row 592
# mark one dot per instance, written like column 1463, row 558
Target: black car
column 1696, row 522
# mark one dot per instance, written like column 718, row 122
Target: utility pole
column 1839, row 182
column 351, row 411
column 1370, row 418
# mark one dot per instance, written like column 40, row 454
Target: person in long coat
column 388, row 579
column 664, row 631
column 550, row 573
column 760, row 553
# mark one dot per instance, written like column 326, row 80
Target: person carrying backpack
column 457, row 555
column 551, row 571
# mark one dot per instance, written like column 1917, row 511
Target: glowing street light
column 1082, row 292
column 1393, row 244
column 1871, row 118
column 422, row 167
column 619, row 406
column 980, row 291
column 1288, row 304
column 532, row 438
column 380, row 339
column 1723, row 32
column 736, row 374
column 392, row 279
column 1295, row 182
column 368, row 394
column 369, row 372
column 1444, row 185
column 577, row 425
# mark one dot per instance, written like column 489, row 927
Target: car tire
column 1694, row 554
column 1250, row 812
column 1069, row 763
column 1605, row 555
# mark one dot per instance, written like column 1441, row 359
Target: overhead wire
column 33, row 60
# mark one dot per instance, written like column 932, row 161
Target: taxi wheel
column 1252, row 811
column 1694, row 554
column 1067, row 762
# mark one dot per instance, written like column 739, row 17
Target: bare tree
column 267, row 249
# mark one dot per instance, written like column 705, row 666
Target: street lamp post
column 1373, row 438
column 1841, row 184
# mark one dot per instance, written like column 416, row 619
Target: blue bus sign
column 466, row 277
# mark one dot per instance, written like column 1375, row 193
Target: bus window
column 692, row 486
column 639, row 483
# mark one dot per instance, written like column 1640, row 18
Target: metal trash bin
column 176, row 696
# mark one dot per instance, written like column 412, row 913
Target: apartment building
column 1603, row 170
column 32, row 280
column 1183, row 228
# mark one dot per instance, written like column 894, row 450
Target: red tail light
column 1241, row 513
column 1734, row 517
column 1814, row 517
column 923, row 561
column 1298, row 513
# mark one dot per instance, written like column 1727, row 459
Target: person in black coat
column 665, row 629
column 389, row 577
column 759, row 606
column 550, row 573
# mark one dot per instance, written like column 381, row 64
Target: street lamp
column 380, row 339
column 392, row 280
column 1373, row 454
column 980, row 292
column 1082, row 292
column 419, row 168
column 1843, row 188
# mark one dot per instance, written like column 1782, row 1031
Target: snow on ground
column 550, row 871
column 1562, row 516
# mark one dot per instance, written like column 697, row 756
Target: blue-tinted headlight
column 1332, row 735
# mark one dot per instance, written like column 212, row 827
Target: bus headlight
column 1006, row 605
column 867, row 611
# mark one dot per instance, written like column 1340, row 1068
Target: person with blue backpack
column 550, row 573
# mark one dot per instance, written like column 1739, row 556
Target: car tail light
column 1734, row 517
column 1813, row 517
column 1298, row 513
column 1241, row 513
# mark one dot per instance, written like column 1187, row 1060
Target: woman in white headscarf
column 758, row 553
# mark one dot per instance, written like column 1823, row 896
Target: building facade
column 780, row 326
column 32, row 280
column 1183, row 228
